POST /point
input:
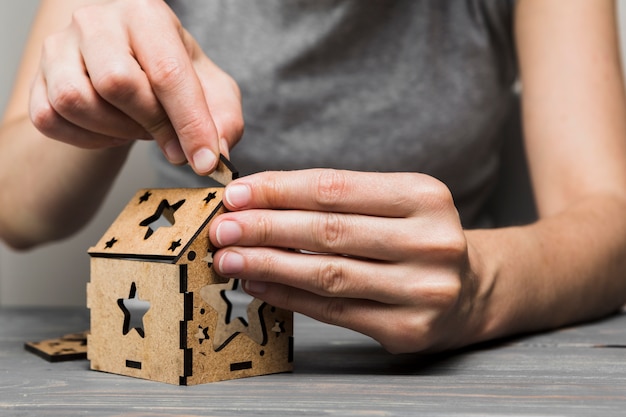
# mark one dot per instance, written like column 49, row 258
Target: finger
column 324, row 275
column 72, row 96
column 374, row 194
column 165, row 60
column 51, row 124
column 377, row 320
column 119, row 80
column 224, row 99
column 349, row 234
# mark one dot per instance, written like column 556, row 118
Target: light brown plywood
column 158, row 309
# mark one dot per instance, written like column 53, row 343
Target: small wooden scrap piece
column 225, row 171
column 65, row 348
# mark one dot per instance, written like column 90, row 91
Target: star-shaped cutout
column 145, row 197
column 162, row 217
column 227, row 327
column 209, row 197
column 209, row 258
column 175, row 244
column 110, row 243
column 202, row 334
column 279, row 327
column 134, row 310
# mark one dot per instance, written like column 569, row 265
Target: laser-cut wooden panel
column 154, row 356
column 186, row 336
column 135, row 233
column 65, row 348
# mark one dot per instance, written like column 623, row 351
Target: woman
column 419, row 90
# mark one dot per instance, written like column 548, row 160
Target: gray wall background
column 56, row 274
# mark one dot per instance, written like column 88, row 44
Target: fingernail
column 204, row 160
column 174, row 153
column 237, row 195
column 228, row 233
column 230, row 263
column 254, row 287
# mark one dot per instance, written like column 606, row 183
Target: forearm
column 49, row 189
column 563, row 269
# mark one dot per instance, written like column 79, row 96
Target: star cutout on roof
column 110, row 243
column 175, row 244
column 145, row 197
column 162, row 217
column 134, row 310
column 227, row 328
column 209, row 197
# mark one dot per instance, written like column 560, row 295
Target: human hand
column 393, row 259
column 127, row 69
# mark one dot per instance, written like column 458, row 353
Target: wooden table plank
column 338, row 372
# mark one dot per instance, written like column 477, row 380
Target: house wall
column 55, row 275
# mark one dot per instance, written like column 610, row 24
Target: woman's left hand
column 380, row 253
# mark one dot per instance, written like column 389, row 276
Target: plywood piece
column 241, row 356
column 158, row 309
column 65, row 348
column 138, row 233
column 225, row 171
column 155, row 355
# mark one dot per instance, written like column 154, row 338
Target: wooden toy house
column 159, row 311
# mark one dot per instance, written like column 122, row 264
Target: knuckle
column 159, row 124
column 447, row 293
column 330, row 188
column 441, row 292
column 114, row 84
column 418, row 333
column 66, row 98
column 331, row 278
column 331, row 230
column 438, row 196
column 43, row 118
column 266, row 266
column 450, row 246
column 84, row 15
column 333, row 310
column 272, row 190
column 408, row 334
column 427, row 193
column 167, row 73
column 192, row 128
column 264, row 232
column 190, row 124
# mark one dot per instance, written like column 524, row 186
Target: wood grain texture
column 337, row 372
column 157, row 253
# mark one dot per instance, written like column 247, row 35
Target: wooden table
column 578, row 371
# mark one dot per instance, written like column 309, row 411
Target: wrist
column 485, row 316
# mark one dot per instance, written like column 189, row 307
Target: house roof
column 159, row 223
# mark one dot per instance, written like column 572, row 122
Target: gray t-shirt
column 379, row 85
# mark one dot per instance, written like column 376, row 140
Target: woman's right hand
column 127, row 69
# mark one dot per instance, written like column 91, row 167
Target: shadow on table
column 347, row 354
column 374, row 360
